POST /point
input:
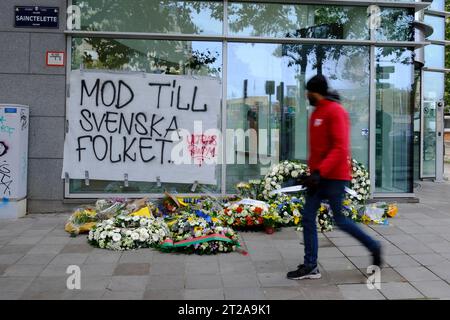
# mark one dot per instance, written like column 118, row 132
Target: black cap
column 318, row 84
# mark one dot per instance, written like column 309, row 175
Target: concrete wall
column 25, row 79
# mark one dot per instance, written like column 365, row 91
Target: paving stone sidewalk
column 35, row 253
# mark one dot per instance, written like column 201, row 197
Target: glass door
column 433, row 93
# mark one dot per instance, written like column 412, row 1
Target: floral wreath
column 197, row 232
column 360, row 182
column 129, row 232
column 280, row 173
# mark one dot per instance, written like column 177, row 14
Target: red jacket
column 329, row 141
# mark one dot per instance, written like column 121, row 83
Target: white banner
column 144, row 126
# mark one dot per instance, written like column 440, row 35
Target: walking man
column 329, row 163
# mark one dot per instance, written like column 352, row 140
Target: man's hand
column 312, row 182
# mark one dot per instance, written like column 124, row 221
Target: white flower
column 134, row 235
column 116, row 237
column 103, row 235
column 294, row 174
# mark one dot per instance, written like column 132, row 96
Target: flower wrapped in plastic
column 391, row 210
column 82, row 220
column 129, row 232
column 251, row 189
column 375, row 213
column 198, row 232
column 108, row 208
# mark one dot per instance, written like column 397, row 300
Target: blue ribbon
column 200, row 214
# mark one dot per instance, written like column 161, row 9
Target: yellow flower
column 90, row 212
column 392, row 210
column 366, row 219
column 215, row 220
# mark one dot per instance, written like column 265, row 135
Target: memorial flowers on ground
column 207, row 224
column 289, row 209
column 198, row 232
column 360, row 182
column 243, row 216
column 129, row 232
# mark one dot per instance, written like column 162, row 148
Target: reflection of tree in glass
column 396, row 24
column 302, row 21
column 146, row 16
column 329, row 22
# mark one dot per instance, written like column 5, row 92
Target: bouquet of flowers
column 379, row 212
column 128, row 232
column 325, row 218
column 108, row 208
column 244, row 215
column 352, row 211
column 280, row 173
column 289, row 209
column 251, row 189
column 272, row 220
column 82, row 220
column 198, row 232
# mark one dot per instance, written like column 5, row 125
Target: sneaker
column 303, row 272
column 377, row 257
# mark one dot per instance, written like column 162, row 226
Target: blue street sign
column 36, row 17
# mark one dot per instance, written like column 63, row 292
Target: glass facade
column 396, row 24
column 283, row 108
column 162, row 16
column 394, row 119
column 300, row 21
column 264, row 83
column 433, row 93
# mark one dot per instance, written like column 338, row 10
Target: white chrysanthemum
column 116, row 237
column 134, row 235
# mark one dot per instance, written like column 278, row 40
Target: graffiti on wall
column 5, row 179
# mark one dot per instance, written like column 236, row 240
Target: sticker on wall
column 55, row 59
